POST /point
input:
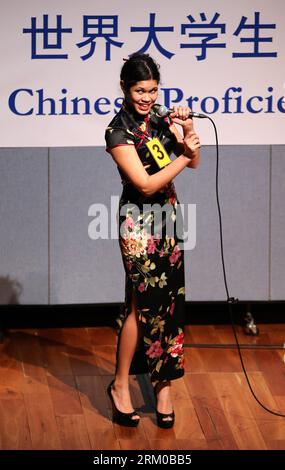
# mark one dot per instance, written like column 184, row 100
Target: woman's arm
column 189, row 146
column 189, row 143
column 129, row 162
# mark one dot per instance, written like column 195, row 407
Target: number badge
column 158, row 152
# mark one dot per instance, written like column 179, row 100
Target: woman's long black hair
column 137, row 68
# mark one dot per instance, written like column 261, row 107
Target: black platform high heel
column 163, row 422
column 124, row 419
column 162, row 419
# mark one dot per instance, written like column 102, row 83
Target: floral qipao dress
column 152, row 257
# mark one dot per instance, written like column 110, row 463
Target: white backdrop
column 237, row 77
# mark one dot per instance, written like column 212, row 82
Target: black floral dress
column 151, row 252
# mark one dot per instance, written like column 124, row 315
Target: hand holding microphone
column 182, row 115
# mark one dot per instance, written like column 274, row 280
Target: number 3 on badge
column 158, row 152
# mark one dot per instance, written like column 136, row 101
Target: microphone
column 162, row 111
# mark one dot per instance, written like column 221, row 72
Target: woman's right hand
column 180, row 115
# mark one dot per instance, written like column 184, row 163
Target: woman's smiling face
column 142, row 96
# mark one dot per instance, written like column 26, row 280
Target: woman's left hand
column 191, row 144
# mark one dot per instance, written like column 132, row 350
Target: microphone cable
column 232, row 300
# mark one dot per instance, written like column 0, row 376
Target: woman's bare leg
column 163, row 395
column 127, row 348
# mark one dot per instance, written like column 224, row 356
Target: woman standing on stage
column 152, row 321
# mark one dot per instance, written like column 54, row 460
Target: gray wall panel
column 82, row 269
column 24, row 223
column 86, row 270
column 202, row 266
column 278, row 223
column 244, row 196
